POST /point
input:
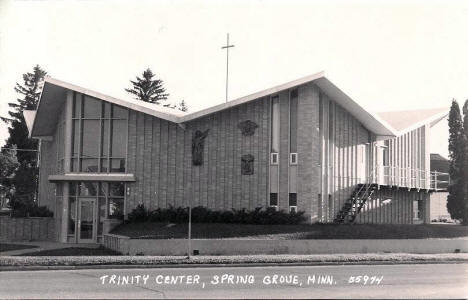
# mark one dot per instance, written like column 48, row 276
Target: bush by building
column 202, row 214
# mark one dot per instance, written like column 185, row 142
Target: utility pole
column 227, row 63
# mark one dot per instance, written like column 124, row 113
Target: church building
column 300, row 146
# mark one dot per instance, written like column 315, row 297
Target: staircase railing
column 354, row 204
column 409, row 178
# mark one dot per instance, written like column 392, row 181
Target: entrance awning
column 92, row 177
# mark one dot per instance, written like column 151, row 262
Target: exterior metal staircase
column 354, row 204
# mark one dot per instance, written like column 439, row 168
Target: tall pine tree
column 25, row 178
column 455, row 200
column 148, row 89
column 465, row 160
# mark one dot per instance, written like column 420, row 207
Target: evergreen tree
column 182, row 106
column 465, row 160
column 25, row 178
column 455, row 199
column 148, row 89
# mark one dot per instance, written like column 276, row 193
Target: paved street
column 377, row 281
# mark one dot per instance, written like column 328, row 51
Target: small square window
column 293, row 158
column 274, row 158
column 293, row 209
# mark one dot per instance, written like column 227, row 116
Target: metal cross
column 227, row 63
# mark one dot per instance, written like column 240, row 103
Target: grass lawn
column 21, row 261
column 74, row 251
column 11, row 247
column 303, row 231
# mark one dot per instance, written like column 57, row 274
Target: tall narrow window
column 293, row 125
column 274, row 199
column 275, row 124
column 292, row 202
column 293, row 122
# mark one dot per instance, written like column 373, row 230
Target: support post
column 67, row 164
column 190, row 229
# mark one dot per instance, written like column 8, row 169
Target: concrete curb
column 217, row 265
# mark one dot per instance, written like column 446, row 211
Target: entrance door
column 86, row 220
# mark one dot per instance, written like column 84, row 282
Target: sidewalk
column 42, row 245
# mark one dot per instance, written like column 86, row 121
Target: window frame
column 103, row 192
column 277, row 200
column 291, row 160
column 274, row 158
column 106, row 119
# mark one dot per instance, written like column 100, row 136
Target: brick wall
column 20, row 229
column 159, row 155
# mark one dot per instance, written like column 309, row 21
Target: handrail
column 408, row 177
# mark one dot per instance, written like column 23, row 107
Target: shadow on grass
column 75, row 251
column 11, row 247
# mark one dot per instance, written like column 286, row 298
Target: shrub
column 202, row 214
column 22, row 210
column 40, row 211
column 138, row 214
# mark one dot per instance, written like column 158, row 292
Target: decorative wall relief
column 247, row 167
column 198, row 144
column 247, row 127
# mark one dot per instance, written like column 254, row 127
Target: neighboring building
column 304, row 145
column 440, row 167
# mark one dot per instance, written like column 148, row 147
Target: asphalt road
column 382, row 281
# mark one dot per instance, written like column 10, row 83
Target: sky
column 385, row 55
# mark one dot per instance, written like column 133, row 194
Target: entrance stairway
column 354, row 204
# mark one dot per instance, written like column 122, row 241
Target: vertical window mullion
column 80, row 132
column 101, row 124
column 109, row 139
column 126, row 146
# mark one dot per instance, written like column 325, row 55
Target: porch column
column 427, row 208
column 67, row 163
column 427, row 156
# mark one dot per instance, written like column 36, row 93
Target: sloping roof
column 371, row 121
column 407, row 120
column 54, row 91
column 53, row 96
column 383, row 124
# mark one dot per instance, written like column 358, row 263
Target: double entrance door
column 87, row 217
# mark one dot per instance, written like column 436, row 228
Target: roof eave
column 257, row 95
column 431, row 121
column 134, row 106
